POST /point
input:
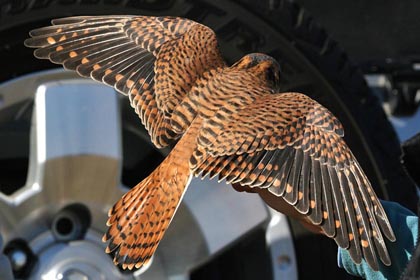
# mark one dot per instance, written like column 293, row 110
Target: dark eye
column 270, row 75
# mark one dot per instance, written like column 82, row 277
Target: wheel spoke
column 211, row 218
column 280, row 241
column 78, row 140
column 75, row 152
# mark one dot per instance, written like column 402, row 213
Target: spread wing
column 293, row 146
column 153, row 60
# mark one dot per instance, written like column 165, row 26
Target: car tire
column 312, row 63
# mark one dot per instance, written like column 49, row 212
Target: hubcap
column 75, row 158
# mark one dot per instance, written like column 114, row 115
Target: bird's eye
column 270, row 75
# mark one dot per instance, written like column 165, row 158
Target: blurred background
column 69, row 147
column 380, row 38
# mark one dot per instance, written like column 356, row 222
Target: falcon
column 225, row 121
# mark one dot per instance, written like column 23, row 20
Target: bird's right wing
column 293, row 146
column 153, row 60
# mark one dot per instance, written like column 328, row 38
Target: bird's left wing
column 293, row 146
column 153, row 60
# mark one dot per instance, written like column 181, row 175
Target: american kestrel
column 228, row 121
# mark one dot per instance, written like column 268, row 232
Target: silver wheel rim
column 75, row 157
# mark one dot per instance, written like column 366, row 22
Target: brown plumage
column 230, row 123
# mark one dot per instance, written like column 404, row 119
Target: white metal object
column 76, row 156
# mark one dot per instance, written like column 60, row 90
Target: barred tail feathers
column 138, row 221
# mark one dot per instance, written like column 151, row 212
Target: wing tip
column 33, row 42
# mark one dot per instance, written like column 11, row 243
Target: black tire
column 312, row 63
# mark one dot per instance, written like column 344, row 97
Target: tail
column 138, row 221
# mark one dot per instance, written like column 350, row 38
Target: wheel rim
column 76, row 158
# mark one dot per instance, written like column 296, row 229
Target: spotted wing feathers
column 293, row 146
column 153, row 60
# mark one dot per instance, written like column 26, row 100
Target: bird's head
column 263, row 66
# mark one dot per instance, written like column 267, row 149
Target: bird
column 225, row 121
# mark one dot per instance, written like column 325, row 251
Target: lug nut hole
column 64, row 226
